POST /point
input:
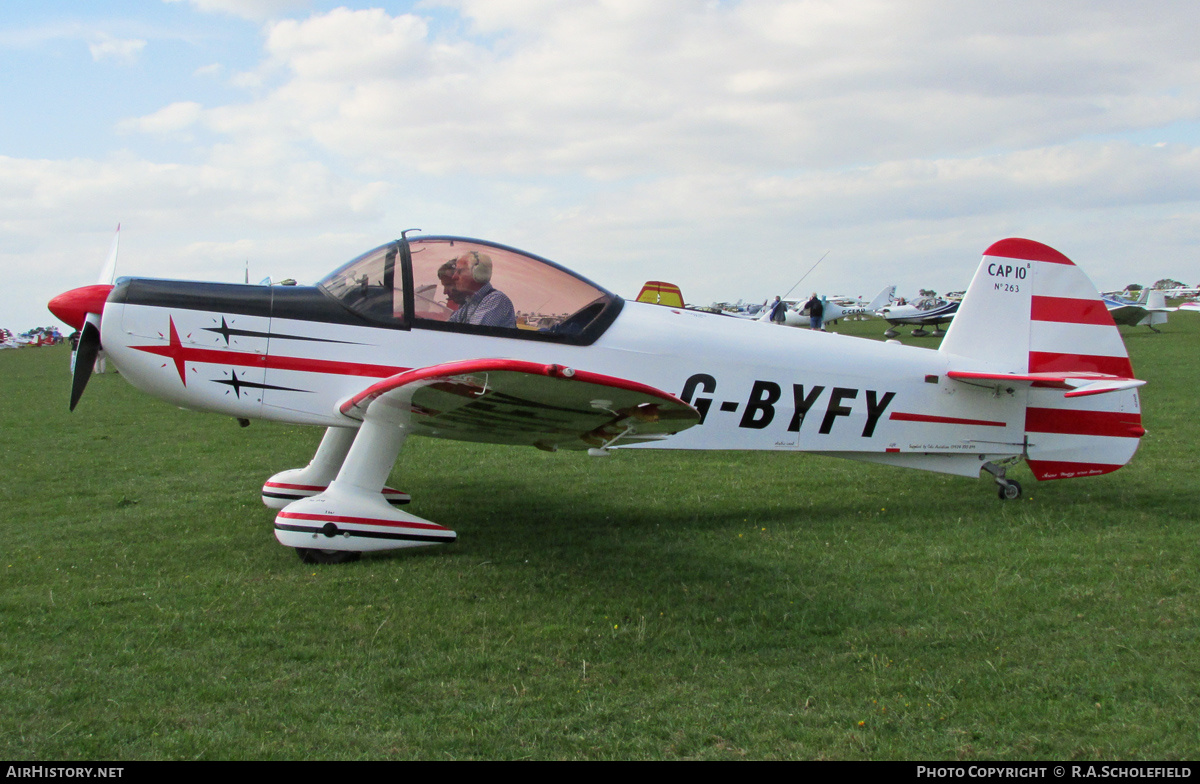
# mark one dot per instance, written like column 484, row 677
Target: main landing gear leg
column 351, row 516
column 296, row 483
column 1010, row 489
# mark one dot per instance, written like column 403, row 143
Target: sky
column 721, row 145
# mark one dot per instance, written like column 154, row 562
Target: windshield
column 472, row 286
column 369, row 285
column 467, row 282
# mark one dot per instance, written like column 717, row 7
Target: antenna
column 805, row 275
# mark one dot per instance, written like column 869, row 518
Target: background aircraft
column 659, row 293
column 835, row 310
column 920, row 313
column 1148, row 310
column 797, row 314
column 577, row 367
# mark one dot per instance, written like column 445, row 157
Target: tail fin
column 1156, row 304
column 882, row 299
column 1031, row 320
column 660, row 293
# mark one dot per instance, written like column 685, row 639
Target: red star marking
column 174, row 350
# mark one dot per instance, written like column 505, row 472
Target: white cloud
column 169, row 119
column 618, row 89
column 351, row 46
column 122, row 50
column 242, row 196
column 255, row 10
column 288, row 218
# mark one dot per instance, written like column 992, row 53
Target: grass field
column 647, row 605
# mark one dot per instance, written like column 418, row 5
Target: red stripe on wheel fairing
column 358, row 520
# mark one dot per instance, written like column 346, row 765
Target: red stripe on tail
column 1116, row 424
column 1026, row 250
column 1051, row 362
column 1065, row 310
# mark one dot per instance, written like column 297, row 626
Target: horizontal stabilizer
column 1078, row 384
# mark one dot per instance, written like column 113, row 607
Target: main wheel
column 1010, row 491
column 310, row 556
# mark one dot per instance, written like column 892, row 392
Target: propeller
column 82, row 308
column 85, row 357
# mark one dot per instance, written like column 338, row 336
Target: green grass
column 646, row 605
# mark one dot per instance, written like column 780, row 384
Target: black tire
column 1010, row 491
column 311, row 556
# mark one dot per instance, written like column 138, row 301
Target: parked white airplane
column 362, row 356
column 796, row 314
column 1149, row 309
column 920, row 313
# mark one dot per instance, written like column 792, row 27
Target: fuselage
column 293, row 354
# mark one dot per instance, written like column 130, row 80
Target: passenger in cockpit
column 454, row 297
column 485, row 305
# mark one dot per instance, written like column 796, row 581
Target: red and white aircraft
column 397, row 342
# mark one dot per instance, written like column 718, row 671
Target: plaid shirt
column 487, row 307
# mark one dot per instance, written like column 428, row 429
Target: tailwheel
column 314, row 556
column 1010, row 490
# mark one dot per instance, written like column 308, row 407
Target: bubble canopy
column 410, row 284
